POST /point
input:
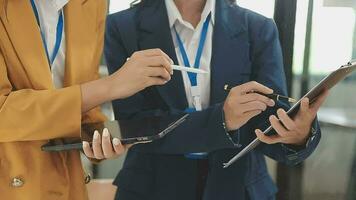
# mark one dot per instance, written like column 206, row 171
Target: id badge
column 196, row 98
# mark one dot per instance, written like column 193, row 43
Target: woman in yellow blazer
column 33, row 111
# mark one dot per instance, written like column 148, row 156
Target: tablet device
column 326, row 84
column 136, row 131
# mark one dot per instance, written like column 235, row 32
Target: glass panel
column 118, row 5
column 332, row 35
column 265, row 7
column 299, row 35
column 330, row 173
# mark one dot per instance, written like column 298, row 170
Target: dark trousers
column 203, row 171
column 351, row 191
column 202, row 175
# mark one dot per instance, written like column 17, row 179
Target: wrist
column 227, row 122
column 303, row 141
column 300, row 143
column 113, row 91
column 103, row 89
column 94, row 93
column 229, row 128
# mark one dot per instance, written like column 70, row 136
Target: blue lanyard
column 193, row 76
column 59, row 34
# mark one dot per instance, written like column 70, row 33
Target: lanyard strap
column 193, row 76
column 59, row 34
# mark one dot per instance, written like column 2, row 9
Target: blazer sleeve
column 95, row 115
column 203, row 131
column 29, row 114
column 268, row 70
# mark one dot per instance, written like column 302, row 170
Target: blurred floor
column 101, row 190
column 327, row 172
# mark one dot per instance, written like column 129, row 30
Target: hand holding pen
column 289, row 130
column 241, row 104
column 276, row 97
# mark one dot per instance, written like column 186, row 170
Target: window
column 332, row 43
column 118, row 5
column 332, row 40
column 265, row 7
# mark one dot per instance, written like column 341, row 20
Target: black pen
column 273, row 96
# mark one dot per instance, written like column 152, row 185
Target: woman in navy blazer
column 245, row 47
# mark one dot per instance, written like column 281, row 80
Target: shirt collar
column 59, row 4
column 174, row 14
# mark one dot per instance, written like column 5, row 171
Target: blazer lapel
column 230, row 55
column 230, row 62
column 81, row 41
column 24, row 33
column 154, row 32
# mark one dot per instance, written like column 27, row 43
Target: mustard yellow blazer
column 32, row 111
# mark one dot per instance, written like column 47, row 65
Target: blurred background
column 317, row 36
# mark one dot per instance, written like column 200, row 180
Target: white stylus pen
column 188, row 69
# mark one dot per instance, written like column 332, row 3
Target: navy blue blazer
column 245, row 47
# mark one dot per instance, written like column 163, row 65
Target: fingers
column 159, row 72
column 311, row 110
column 292, row 131
column 102, row 147
column 98, row 152
column 252, row 114
column 152, row 52
column 286, row 120
column 254, row 86
column 304, row 105
column 254, row 105
column 160, row 61
column 241, row 105
column 118, row 147
column 155, row 58
column 319, row 101
column 273, row 139
column 305, row 111
column 156, row 81
column 256, row 97
column 277, row 126
column 87, row 150
column 106, row 144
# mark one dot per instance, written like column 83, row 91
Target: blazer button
column 87, row 178
column 17, row 182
